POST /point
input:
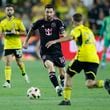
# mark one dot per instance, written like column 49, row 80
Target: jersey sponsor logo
column 48, row 31
column 42, row 26
column 53, row 25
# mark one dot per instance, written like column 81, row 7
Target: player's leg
column 90, row 73
column 52, row 76
column 20, row 63
column 106, row 45
column 59, row 61
column 8, row 59
column 73, row 68
column 61, row 77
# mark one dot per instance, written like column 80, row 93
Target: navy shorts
column 58, row 60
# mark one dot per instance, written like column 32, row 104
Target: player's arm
column 32, row 28
column 22, row 29
column 75, row 33
column 1, row 33
column 25, row 44
column 62, row 39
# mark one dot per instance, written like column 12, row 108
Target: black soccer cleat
column 65, row 102
column 107, row 85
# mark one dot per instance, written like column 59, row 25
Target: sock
column 8, row 81
column 22, row 68
column 100, row 83
column 62, row 80
column 53, row 79
column 67, row 93
column 104, row 58
column 8, row 73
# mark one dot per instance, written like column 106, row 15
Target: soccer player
column 105, row 33
column 86, row 58
column 12, row 27
column 50, row 28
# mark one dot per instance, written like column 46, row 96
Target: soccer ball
column 33, row 93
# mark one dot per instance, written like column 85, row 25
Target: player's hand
column 25, row 45
column 50, row 43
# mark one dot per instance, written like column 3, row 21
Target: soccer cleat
column 65, row 102
column 107, row 85
column 7, row 85
column 26, row 78
column 59, row 91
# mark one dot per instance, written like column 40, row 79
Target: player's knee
column 49, row 64
column 70, row 73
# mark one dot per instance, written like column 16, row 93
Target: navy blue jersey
column 49, row 30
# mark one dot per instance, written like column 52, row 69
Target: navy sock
column 53, row 79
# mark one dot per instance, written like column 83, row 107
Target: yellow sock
column 22, row 68
column 100, row 83
column 67, row 93
column 7, row 73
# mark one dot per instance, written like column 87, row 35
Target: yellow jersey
column 12, row 41
column 85, row 41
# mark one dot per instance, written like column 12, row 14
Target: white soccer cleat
column 26, row 78
column 7, row 85
column 59, row 90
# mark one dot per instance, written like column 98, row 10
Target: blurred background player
column 50, row 28
column 105, row 33
column 87, row 61
column 12, row 28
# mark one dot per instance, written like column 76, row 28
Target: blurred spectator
column 62, row 11
column 37, row 12
column 98, row 12
column 26, row 20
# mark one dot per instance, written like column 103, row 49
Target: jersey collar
column 11, row 18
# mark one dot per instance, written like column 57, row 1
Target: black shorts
column 58, row 60
column 90, row 69
column 16, row 52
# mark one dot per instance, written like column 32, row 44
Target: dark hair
column 49, row 6
column 77, row 17
column 9, row 5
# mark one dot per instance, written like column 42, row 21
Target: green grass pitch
column 82, row 98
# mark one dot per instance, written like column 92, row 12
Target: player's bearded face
column 49, row 13
column 9, row 11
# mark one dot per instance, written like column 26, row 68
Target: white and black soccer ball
column 33, row 93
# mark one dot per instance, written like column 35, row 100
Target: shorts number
column 19, row 52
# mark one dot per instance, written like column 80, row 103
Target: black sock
column 62, row 80
column 23, row 74
column 53, row 79
column 8, row 81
